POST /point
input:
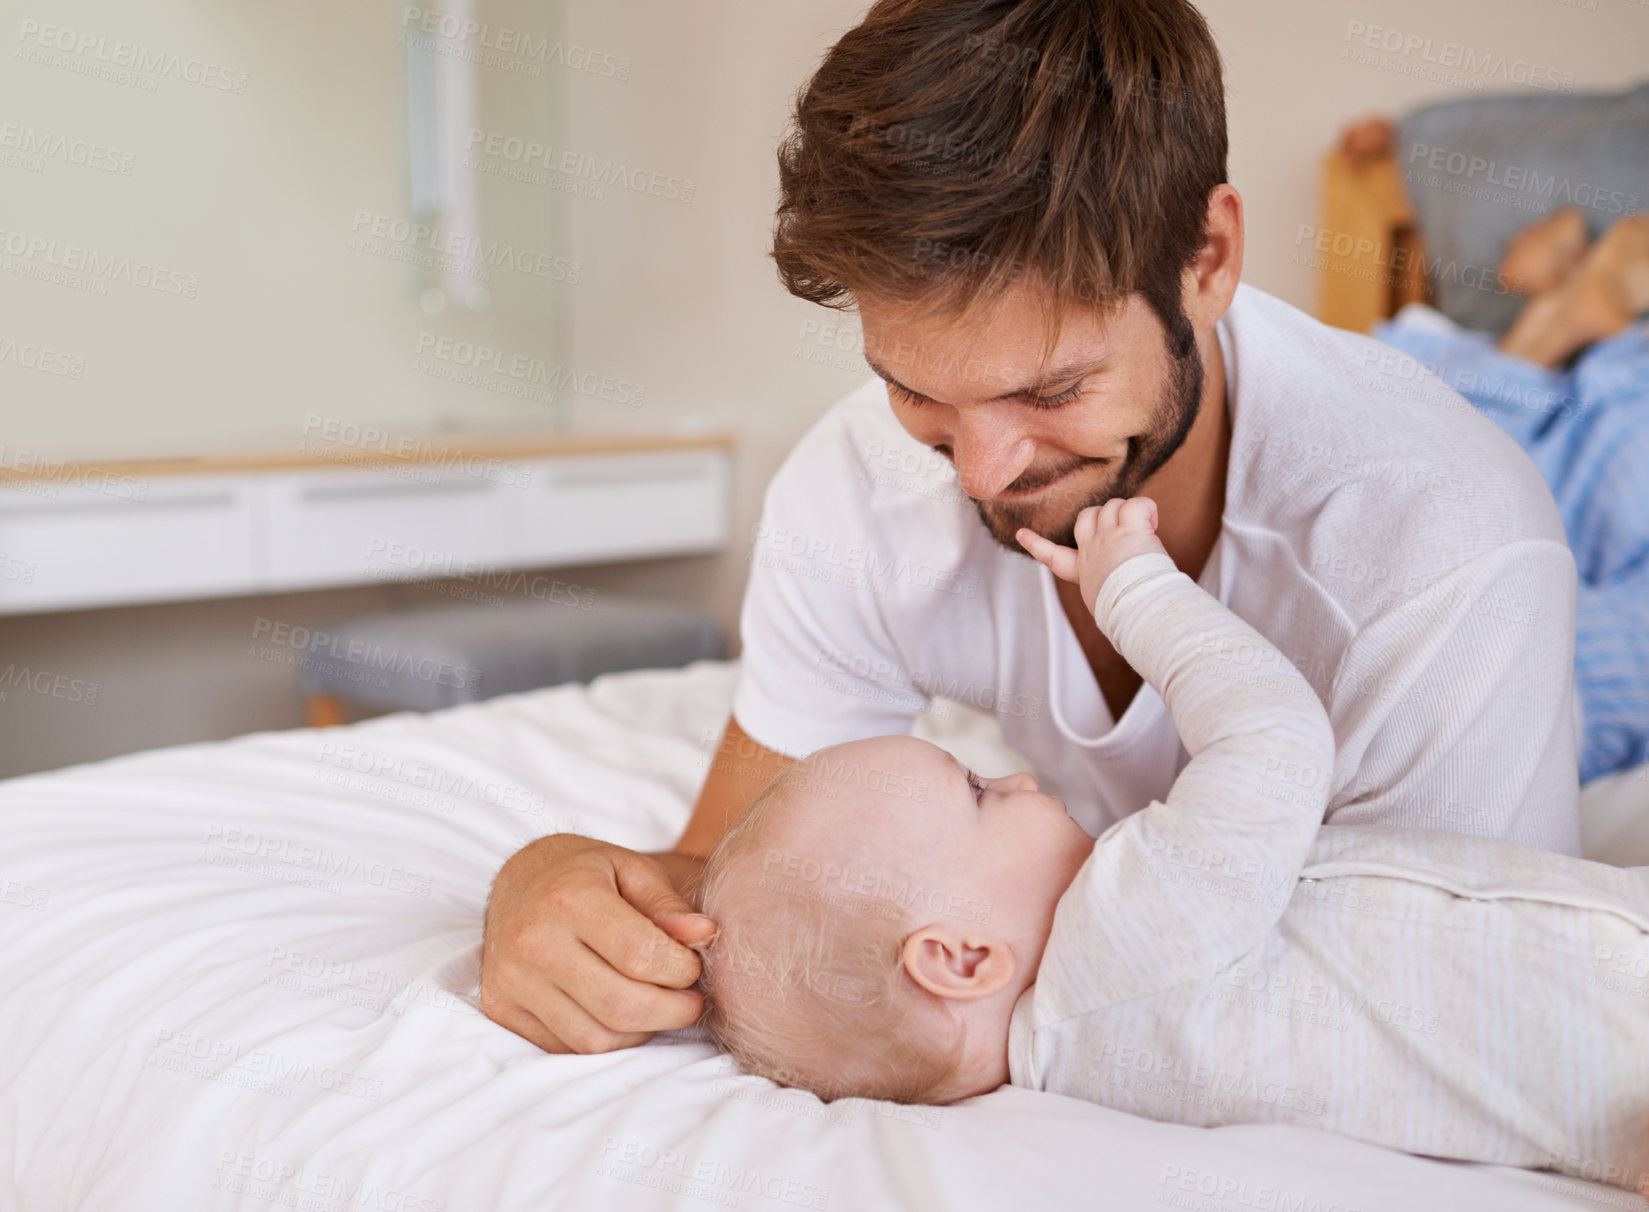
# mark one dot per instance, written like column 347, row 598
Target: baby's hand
column 1106, row 535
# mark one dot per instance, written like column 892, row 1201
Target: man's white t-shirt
column 1397, row 547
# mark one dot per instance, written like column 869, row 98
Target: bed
column 1429, row 222
column 243, row 975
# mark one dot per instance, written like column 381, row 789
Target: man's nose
column 989, row 457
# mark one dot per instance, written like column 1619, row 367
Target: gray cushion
column 424, row 659
column 1480, row 169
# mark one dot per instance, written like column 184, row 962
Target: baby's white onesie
column 1223, row 958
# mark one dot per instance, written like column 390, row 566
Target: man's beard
column 1166, row 432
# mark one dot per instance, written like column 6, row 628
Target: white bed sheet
column 235, row 976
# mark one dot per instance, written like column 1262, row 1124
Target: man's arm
column 742, row 767
column 583, row 949
column 584, row 940
column 1454, row 710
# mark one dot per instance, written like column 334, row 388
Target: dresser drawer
column 64, row 546
column 346, row 527
column 596, row 508
column 172, row 537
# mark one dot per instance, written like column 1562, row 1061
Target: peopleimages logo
column 530, row 153
column 362, row 657
column 40, row 358
column 1465, row 170
column 118, row 54
column 48, row 146
column 223, row 845
column 1444, row 56
column 104, row 267
column 424, row 243
column 859, row 565
column 42, row 682
column 514, row 42
column 365, row 443
column 484, row 359
column 871, row 885
column 225, row 1059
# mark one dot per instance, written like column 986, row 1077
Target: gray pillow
column 1480, row 169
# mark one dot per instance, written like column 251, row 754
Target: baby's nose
column 1023, row 781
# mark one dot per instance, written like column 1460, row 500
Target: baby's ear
column 950, row 964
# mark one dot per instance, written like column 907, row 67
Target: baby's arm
column 1188, row 884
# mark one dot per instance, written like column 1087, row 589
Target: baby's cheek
column 1021, row 888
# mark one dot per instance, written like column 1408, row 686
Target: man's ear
column 950, row 964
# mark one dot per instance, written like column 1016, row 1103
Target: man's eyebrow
column 1064, row 371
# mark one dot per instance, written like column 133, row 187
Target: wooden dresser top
column 365, row 447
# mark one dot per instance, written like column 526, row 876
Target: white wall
column 685, row 295
column 255, row 193
column 249, row 201
column 1289, row 91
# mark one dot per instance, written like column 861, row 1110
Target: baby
column 894, row 926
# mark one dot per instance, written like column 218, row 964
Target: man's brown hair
column 946, row 148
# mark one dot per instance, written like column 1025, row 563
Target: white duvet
column 241, row 975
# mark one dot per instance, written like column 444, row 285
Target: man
column 1027, row 203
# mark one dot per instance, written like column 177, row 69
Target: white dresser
column 75, row 535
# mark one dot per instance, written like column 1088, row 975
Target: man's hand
column 584, row 947
column 1106, row 535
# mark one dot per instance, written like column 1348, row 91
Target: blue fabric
column 1586, row 426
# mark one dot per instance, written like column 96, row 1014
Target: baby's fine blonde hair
column 807, row 987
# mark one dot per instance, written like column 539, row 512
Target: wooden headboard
column 1368, row 254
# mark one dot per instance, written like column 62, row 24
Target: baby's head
column 880, row 910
